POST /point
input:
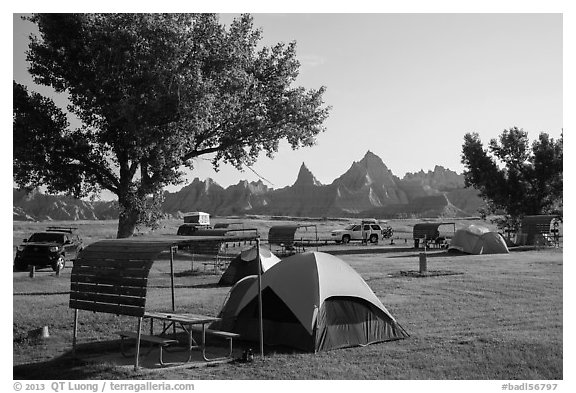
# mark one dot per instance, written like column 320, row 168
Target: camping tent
column 311, row 301
column 246, row 264
column 478, row 240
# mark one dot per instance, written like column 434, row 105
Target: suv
column 368, row 230
column 50, row 248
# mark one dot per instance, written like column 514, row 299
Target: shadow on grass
column 369, row 250
column 70, row 367
column 429, row 273
column 40, row 293
column 208, row 285
column 103, row 360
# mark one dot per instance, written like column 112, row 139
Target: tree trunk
column 126, row 224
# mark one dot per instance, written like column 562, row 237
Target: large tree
column 152, row 92
column 514, row 176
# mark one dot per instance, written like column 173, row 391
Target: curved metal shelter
column 429, row 231
column 538, row 229
column 111, row 276
column 283, row 235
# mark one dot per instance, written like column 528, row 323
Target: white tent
column 478, row 240
column 246, row 264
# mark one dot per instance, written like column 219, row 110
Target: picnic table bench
column 222, row 334
column 161, row 342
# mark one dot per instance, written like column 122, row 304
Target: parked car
column 367, row 230
column 52, row 248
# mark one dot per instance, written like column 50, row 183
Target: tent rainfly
column 311, row 301
column 246, row 264
column 478, row 240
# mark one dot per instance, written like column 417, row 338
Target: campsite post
column 423, row 267
column 173, row 249
column 260, row 321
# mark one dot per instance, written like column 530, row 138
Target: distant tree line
column 516, row 177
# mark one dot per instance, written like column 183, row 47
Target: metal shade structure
column 284, row 235
column 114, row 261
column 536, row 229
column 429, row 231
column 111, row 276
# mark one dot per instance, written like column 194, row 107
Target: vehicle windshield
column 349, row 227
column 47, row 237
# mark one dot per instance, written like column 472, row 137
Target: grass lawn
column 478, row 317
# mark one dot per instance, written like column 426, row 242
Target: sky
column 405, row 86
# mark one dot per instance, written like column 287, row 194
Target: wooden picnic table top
column 182, row 318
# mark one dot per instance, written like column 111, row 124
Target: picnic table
column 188, row 323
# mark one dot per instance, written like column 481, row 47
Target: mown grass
column 499, row 317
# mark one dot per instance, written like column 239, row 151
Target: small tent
column 311, row 301
column 478, row 240
column 246, row 264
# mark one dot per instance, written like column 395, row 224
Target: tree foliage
column 152, row 92
column 513, row 175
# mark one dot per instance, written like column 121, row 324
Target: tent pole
column 260, row 319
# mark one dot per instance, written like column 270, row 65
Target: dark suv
column 51, row 248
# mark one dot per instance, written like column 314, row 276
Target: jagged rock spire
column 306, row 178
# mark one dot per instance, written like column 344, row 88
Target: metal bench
column 161, row 342
column 218, row 333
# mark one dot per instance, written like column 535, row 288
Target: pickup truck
column 369, row 230
column 53, row 248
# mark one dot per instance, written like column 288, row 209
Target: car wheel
column 60, row 264
column 346, row 239
column 373, row 238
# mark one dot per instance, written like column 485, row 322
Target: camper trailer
column 199, row 218
column 194, row 221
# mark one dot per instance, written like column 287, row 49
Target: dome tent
column 246, row 264
column 478, row 240
column 311, row 301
